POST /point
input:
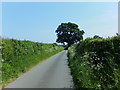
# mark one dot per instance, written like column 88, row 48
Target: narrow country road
column 51, row 73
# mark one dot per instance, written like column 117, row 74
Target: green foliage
column 96, row 63
column 18, row 56
column 96, row 36
column 69, row 33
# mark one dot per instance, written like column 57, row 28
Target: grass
column 19, row 56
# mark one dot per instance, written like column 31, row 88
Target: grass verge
column 19, row 56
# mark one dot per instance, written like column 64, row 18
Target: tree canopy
column 96, row 36
column 69, row 33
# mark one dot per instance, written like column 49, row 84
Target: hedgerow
column 18, row 56
column 95, row 63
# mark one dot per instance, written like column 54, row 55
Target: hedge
column 18, row 56
column 95, row 63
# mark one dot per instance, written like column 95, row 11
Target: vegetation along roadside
column 19, row 56
column 95, row 63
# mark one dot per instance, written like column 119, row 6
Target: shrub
column 96, row 63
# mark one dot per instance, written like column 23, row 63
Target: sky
column 119, row 17
column 37, row 21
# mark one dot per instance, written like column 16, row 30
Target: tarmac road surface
column 51, row 73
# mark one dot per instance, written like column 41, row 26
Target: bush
column 96, row 63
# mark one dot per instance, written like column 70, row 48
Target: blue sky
column 37, row 21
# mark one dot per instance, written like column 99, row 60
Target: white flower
column 99, row 85
column 2, row 60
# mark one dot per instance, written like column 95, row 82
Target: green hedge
column 95, row 63
column 18, row 56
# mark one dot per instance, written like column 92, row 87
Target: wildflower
column 2, row 60
column 99, row 85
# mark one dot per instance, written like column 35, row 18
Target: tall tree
column 69, row 33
